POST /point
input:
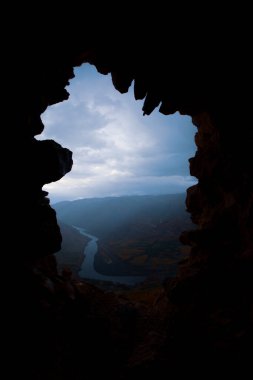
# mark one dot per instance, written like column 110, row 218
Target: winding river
column 88, row 270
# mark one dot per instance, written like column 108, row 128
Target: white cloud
column 117, row 151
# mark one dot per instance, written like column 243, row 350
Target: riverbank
column 72, row 242
column 88, row 270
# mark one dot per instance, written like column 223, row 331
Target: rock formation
column 210, row 315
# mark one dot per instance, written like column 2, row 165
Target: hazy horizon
column 118, row 196
column 117, row 151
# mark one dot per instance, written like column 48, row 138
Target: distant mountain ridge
column 103, row 216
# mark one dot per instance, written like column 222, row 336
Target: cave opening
column 204, row 315
column 127, row 185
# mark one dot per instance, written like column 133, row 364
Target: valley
column 137, row 235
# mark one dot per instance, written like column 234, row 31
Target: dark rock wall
column 212, row 296
column 213, row 293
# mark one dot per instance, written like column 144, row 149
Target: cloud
column 117, row 151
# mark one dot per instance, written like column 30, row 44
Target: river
column 88, row 270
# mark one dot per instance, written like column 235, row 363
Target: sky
column 116, row 150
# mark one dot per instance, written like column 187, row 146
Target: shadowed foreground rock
column 208, row 317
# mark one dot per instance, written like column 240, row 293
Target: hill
column 103, row 216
